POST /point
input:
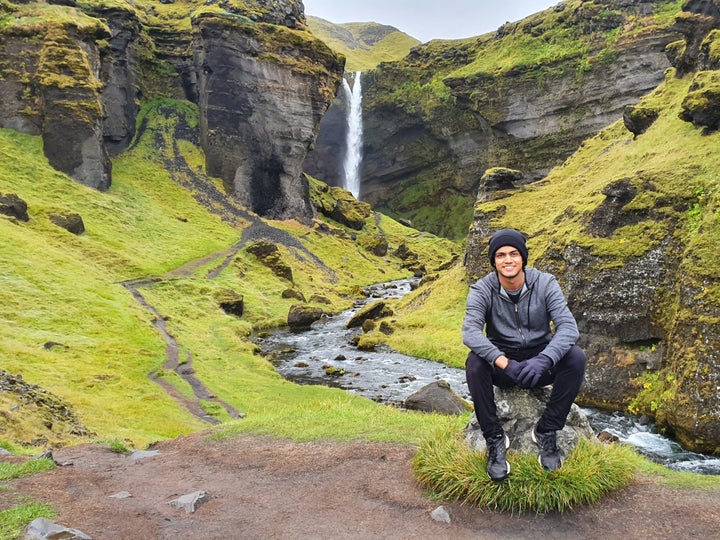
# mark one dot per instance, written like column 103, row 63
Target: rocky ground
column 263, row 488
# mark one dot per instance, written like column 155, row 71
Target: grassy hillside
column 67, row 290
column 364, row 45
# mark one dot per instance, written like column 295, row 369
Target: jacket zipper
column 519, row 327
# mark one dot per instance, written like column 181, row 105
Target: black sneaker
column 549, row 456
column 497, row 465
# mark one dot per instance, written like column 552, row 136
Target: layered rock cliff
column 75, row 74
column 524, row 98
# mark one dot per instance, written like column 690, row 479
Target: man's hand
column 513, row 370
column 532, row 369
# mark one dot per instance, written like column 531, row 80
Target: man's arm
column 473, row 327
column 566, row 330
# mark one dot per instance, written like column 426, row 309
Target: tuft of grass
column 8, row 471
column 449, row 469
column 118, row 446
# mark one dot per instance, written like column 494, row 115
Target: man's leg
column 567, row 378
column 479, row 375
column 480, row 383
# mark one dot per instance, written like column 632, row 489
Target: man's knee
column 476, row 366
column 575, row 360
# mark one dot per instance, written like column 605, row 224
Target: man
column 507, row 329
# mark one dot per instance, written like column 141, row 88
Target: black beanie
column 508, row 237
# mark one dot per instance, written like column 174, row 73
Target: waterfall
column 353, row 147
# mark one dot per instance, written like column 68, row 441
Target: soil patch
column 262, row 488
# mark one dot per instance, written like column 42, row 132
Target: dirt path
column 259, row 488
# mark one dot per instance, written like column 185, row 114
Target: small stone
column 441, row 515
column 44, row 528
column 189, row 501
column 142, row 454
column 121, row 495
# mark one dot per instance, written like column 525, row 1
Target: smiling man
column 507, row 328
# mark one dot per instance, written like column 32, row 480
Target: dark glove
column 532, row 369
column 512, row 370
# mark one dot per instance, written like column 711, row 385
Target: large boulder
column 72, row 222
column 372, row 311
column 437, row 397
column 518, row 411
column 301, row 317
column 13, row 206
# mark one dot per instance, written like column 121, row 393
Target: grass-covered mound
column 364, row 44
column 451, row 470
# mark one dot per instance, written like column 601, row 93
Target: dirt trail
column 260, row 488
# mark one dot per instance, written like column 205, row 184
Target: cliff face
column 262, row 83
column 627, row 226
column 260, row 116
column 442, row 105
column 50, row 86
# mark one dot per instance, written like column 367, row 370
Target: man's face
column 508, row 262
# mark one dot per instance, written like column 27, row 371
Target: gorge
column 182, row 123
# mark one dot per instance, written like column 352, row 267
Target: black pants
column 566, row 377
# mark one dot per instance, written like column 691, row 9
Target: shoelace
column 547, row 444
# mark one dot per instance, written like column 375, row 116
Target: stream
column 326, row 355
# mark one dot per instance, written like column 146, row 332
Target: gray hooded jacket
column 494, row 324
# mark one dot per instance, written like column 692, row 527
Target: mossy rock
column 638, row 119
column 701, row 105
column 293, row 293
column 375, row 310
column 339, row 205
column 269, row 255
column 231, row 302
column 13, row 206
column 70, row 221
column 301, row 317
column 377, row 245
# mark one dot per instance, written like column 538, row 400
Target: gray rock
column 142, row 454
column 13, row 206
column 42, row 528
column 189, row 501
column 70, row 221
column 301, row 317
column 518, row 411
column 121, row 495
column 437, row 397
column 441, row 515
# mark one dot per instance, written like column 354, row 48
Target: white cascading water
column 353, row 149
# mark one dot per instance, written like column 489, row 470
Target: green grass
column 450, row 470
column 13, row 521
column 348, row 39
column 318, row 413
column 27, row 468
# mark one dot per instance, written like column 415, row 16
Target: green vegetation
column 364, row 45
column 146, row 225
column 27, row 468
column 447, row 466
column 14, row 520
